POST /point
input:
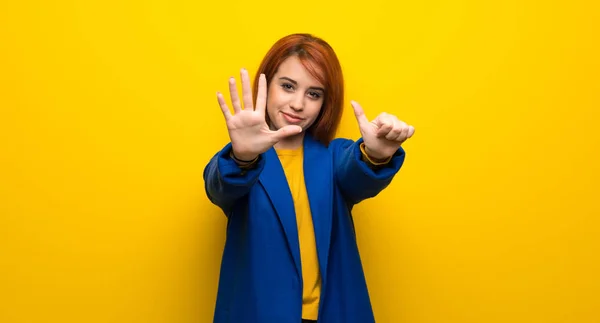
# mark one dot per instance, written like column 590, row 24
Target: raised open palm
column 249, row 132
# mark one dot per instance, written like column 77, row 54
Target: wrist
column 243, row 159
column 374, row 156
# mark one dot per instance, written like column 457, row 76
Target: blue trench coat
column 261, row 276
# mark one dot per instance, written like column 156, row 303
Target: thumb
column 359, row 113
column 286, row 131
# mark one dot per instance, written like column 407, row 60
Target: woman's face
column 294, row 96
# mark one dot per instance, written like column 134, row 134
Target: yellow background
column 108, row 116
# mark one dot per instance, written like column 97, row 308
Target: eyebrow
column 296, row 83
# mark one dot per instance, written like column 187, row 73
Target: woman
column 288, row 190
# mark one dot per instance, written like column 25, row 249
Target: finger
column 384, row 123
column 246, row 90
column 286, row 131
column 235, row 98
column 411, row 131
column 223, row 105
column 384, row 128
column 403, row 134
column 261, row 99
column 406, row 133
column 396, row 131
column 359, row 113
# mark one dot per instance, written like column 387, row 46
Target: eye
column 287, row 86
column 314, row 95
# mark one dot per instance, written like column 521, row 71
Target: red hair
column 322, row 63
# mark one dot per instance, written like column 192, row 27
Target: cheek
column 274, row 99
column 270, row 110
column 273, row 107
column 271, row 101
column 315, row 109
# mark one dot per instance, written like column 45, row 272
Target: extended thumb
column 359, row 113
column 287, row 131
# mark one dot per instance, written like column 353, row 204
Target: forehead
column 293, row 68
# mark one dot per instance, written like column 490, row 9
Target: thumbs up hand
column 382, row 136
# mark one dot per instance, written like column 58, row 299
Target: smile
column 291, row 118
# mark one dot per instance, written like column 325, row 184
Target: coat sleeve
column 356, row 180
column 225, row 182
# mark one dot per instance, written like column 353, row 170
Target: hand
column 382, row 136
column 249, row 133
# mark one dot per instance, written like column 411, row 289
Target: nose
column 297, row 102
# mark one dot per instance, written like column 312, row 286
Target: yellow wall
column 108, row 116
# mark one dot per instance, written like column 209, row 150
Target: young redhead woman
column 288, row 188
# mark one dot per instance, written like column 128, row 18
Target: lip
column 291, row 117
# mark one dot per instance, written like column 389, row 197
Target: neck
column 292, row 142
